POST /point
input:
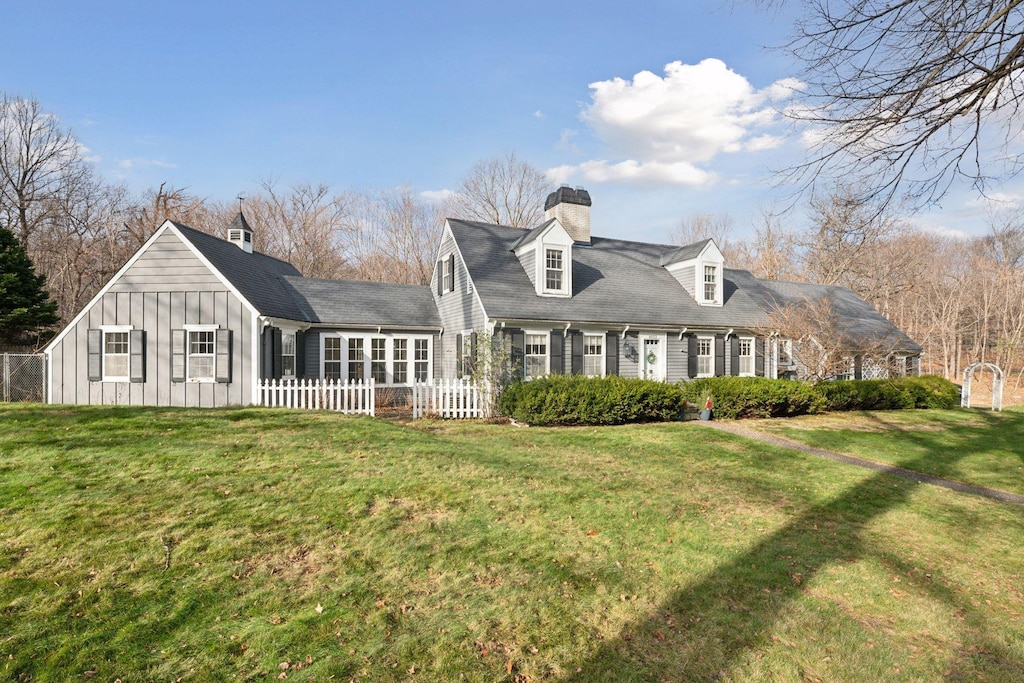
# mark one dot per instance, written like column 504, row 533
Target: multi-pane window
column 705, row 357
column 386, row 359
column 115, row 356
column 421, row 359
column 593, row 355
column 332, row 358
column 446, row 269
column 785, row 351
column 355, row 359
column 202, row 345
column 379, row 360
column 288, row 354
column 553, row 270
column 400, row 361
column 710, row 282
column 746, row 356
column 535, row 356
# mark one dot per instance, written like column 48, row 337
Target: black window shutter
column 473, row 341
column 759, row 357
column 137, row 343
column 611, row 351
column 557, row 350
column 300, row 354
column 518, row 352
column 440, row 278
column 94, row 346
column 451, row 269
column 178, row 340
column 691, row 355
column 719, row 355
column 858, row 367
column 458, row 355
column 734, row 353
column 223, row 364
column 576, row 340
column 278, row 342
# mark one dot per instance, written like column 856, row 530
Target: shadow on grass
column 705, row 630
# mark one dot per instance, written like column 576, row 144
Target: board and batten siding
column 166, row 288
column 459, row 310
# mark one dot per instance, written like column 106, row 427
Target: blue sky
column 659, row 109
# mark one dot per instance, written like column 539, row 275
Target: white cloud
column 436, row 196
column 538, row 114
column 631, row 171
column 996, row 200
column 664, row 127
column 157, row 163
column 943, row 231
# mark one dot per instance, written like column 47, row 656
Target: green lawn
column 157, row 544
column 974, row 446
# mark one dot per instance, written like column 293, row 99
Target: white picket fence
column 351, row 398
column 450, row 398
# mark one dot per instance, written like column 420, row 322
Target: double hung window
column 705, row 357
column 356, row 367
column 400, row 362
column 554, row 272
column 115, row 356
column 710, row 282
column 202, row 349
column 593, row 355
column 535, row 356
column 746, row 357
column 332, row 358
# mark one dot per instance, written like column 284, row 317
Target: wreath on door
column 652, row 358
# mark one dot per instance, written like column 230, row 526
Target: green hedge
column 738, row 397
column 577, row 400
column 903, row 393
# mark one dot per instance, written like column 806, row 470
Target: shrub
column 901, row 393
column 738, row 397
column 577, row 400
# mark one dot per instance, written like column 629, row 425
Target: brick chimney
column 572, row 209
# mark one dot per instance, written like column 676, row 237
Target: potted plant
column 707, row 413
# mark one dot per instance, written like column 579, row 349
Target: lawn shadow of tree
column 706, row 629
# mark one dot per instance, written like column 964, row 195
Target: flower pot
column 706, row 415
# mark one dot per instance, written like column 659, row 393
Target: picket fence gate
column 351, row 398
column 450, row 398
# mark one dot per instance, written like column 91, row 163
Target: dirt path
column 983, row 491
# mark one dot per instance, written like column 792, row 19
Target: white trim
column 753, row 356
column 661, row 367
column 389, row 353
column 711, row 339
column 547, row 352
column 603, row 335
column 115, row 329
column 213, row 327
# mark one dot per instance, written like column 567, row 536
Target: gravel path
column 983, row 491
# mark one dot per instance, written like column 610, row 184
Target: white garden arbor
column 997, row 384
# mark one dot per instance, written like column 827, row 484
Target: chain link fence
column 22, row 377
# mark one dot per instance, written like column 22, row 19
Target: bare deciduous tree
column 37, row 157
column 905, row 97
column 503, row 190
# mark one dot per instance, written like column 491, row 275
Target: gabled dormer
column 546, row 255
column 699, row 268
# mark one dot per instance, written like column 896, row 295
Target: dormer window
column 554, row 270
column 546, row 255
column 710, row 282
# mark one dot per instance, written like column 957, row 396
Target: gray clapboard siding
column 459, row 310
column 675, row 358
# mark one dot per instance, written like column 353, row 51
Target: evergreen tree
column 25, row 306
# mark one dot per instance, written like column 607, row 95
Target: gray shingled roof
column 256, row 276
column 341, row 302
column 683, row 253
column 621, row 282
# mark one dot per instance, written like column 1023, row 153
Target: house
column 566, row 301
column 196, row 320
